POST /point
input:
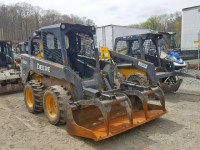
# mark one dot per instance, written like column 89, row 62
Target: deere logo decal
column 43, row 68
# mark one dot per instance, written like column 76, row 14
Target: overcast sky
column 104, row 12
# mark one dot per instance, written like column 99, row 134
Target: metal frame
column 150, row 69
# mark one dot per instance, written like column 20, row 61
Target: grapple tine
column 160, row 94
column 106, row 120
column 143, row 97
column 128, row 106
column 105, row 110
column 145, row 105
column 144, row 100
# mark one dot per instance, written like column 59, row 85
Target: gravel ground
column 178, row 129
column 192, row 61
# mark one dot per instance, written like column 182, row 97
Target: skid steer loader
column 60, row 79
column 10, row 75
column 138, row 58
column 22, row 48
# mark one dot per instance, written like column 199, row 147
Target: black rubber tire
column 139, row 79
column 61, row 97
column 37, row 90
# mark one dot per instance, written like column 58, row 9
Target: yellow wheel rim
column 51, row 106
column 29, row 97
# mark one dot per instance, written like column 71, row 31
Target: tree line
column 18, row 21
column 166, row 22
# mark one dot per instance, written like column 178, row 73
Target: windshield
column 132, row 47
column 6, row 50
column 168, row 42
column 80, row 44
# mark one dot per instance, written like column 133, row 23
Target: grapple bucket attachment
column 99, row 119
column 171, row 88
column 10, row 81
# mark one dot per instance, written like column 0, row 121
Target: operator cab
column 6, row 55
column 142, row 46
column 80, row 45
column 22, row 48
column 146, row 47
column 66, row 44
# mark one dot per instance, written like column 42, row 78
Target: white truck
column 190, row 28
column 106, row 35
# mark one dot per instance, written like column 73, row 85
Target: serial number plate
column 142, row 64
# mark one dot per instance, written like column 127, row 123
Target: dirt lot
column 179, row 129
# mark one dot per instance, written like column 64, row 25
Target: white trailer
column 190, row 28
column 106, row 34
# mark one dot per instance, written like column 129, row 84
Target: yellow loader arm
column 105, row 55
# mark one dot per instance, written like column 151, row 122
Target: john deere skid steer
column 139, row 60
column 10, row 75
column 60, row 80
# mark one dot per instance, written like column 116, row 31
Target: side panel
column 190, row 28
column 137, row 63
column 31, row 63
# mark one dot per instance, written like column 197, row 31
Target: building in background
column 190, row 28
column 106, row 34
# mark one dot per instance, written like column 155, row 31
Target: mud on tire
column 37, row 90
column 139, row 79
column 61, row 97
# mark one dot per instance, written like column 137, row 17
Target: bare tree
column 165, row 22
column 18, row 21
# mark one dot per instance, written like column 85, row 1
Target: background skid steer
column 65, row 84
column 139, row 60
column 10, row 76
